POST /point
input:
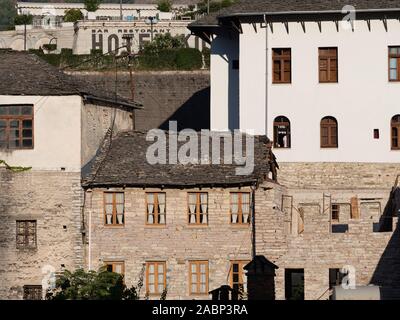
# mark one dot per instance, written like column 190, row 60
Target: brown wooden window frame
column 282, row 57
column 199, row 214
column 332, row 68
column 240, row 273
column 282, row 121
column 26, row 233
column 395, row 132
column 156, row 274
column 240, row 217
column 113, row 265
column 157, row 216
column 198, row 273
column 33, row 292
column 20, row 117
column 330, row 124
column 395, row 56
column 114, row 204
column 335, row 212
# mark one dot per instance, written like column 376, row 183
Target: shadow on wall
column 193, row 114
column 387, row 272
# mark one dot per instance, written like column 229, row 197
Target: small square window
column 32, row 292
column 376, row 133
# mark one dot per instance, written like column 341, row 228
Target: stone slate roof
column 23, row 73
column 122, row 162
column 292, row 6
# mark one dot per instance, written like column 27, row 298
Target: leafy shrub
column 164, row 5
column 189, row 59
column 23, row 19
column 92, row 5
column 73, row 15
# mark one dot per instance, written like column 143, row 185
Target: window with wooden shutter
column 328, row 65
column 198, row 208
column 395, row 132
column 282, row 65
column 116, row 267
column 156, row 278
column 238, row 276
column 282, row 135
column 16, row 127
column 394, row 64
column 198, row 277
column 114, row 208
column 329, row 133
column 240, row 208
column 156, row 208
column 26, row 234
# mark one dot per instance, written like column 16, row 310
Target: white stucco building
column 253, row 41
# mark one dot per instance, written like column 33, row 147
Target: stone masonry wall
column 180, row 96
column 177, row 243
column 375, row 256
column 54, row 200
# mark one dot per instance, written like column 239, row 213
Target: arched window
column 282, row 132
column 329, row 132
column 395, row 125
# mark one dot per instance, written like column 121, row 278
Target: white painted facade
column 361, row 101
column 105, row 10
column 56, row 130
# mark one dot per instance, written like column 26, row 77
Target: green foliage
column 189, row 59
column 50, row 47
column 7, row 14
column 73, row 15
column 92, row 5
column 23, row 19
column 164, row 5
column 164, row 42
column 91, row 285
column 215, row 5
column 14, row 169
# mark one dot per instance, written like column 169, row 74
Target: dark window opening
column 376, row 134
column 395, row 132
column 32, row 292
column 294, row 284
column 235, row 64
column 336, row 277
column 282, row 135
column 26, row 234
column 340, row 228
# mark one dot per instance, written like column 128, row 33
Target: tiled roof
column 23, row 73
column 122, row 162
column 292, row 6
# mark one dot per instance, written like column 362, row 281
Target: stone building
column 50, row 129
column 292, row 71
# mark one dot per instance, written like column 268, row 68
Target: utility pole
column 208, row 6
column 120, row 10
column 25, row 36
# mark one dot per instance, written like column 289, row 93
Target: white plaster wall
column 362, row 100
column 57, row 134
column 224, row 49
column 253, row 74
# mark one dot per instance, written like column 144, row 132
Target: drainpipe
column 253, row 221
column 90, row 230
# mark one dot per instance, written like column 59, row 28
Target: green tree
column 23, row 19
column 91, row 285
column 164, row 5
column 7, row 14
column 73, row 15
column 164, row 42
column 92, row 5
